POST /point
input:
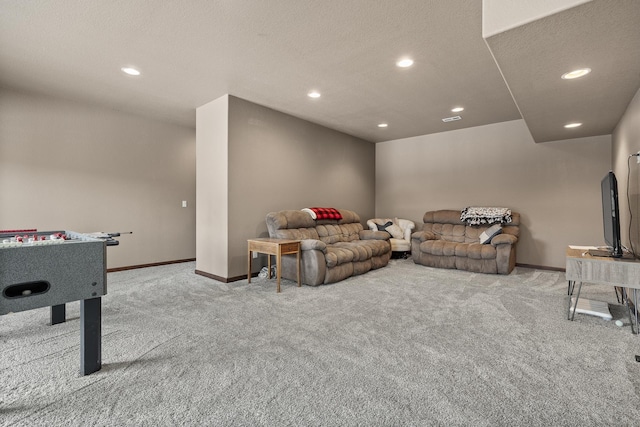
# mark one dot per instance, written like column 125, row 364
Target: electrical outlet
column 184, row 203
column 255, row 254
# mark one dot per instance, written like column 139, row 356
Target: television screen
column 611, row 214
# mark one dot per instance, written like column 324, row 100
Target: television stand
column 582, row 267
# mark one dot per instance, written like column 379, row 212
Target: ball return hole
column 26, row 289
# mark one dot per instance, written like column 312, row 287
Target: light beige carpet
column 405, row 345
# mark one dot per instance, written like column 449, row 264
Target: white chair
column 400, row 230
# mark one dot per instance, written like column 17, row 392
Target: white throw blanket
column 310, row 212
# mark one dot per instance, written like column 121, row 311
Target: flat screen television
column 611, row 214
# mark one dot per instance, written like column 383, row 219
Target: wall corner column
column 212, row 188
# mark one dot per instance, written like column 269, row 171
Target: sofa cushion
column 329, row 233
column 462, row 249
column 450, row 232
column 438, row 247
column 289, row 219
column 336, row 255
column 443, row 217
column 334, row 233
column 295, row 234
column 377, row 247
column 480, row 251
column 351, row 232
column 400, row 245
column 375, row 235
column 360, row 252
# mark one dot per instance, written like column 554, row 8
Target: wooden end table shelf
column 277, row 247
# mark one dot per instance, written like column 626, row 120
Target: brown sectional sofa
column 447, row 242
column 331, row 250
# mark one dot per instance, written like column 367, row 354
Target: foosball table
column 50, row 269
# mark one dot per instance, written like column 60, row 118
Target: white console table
column 620, row 272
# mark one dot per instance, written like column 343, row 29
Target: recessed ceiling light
column 572, row 125
column 404, row 63
column 131, row 71
column 457, row 109
column 314, row 94
column 383, row 125
column 576, row 73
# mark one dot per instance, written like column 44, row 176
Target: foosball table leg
column 58, row 314
column 90, row 335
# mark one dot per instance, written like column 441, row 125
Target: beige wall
column 70, row 165
column 626, row 141
column 277, row 161
column 66, row 164
column 555, row 186
column 503, row 15
column 212, row 152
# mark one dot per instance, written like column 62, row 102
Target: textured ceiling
column 273, row 52
column 603, row 35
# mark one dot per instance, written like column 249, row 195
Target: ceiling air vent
column 451, row 119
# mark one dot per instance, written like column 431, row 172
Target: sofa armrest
column 374, row 235
column 407, row 228
column 313, row 244
column 505, row 252
column 504, row 239
column 423, row 236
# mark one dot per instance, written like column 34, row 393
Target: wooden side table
column 277, row 247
